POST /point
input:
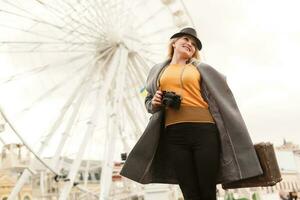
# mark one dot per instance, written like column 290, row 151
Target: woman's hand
column 156, row 100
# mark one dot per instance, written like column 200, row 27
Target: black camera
column 171, row 99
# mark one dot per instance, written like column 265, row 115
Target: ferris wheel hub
column 114, row 37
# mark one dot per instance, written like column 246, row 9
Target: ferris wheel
column 72, row 77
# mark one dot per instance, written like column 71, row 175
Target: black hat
column 191, row 32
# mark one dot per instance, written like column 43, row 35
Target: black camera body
column 171, row 99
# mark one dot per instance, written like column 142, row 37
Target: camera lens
column 171, row 99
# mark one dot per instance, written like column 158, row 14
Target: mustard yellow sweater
column 184, row 80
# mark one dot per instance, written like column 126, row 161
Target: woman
column 198, row 140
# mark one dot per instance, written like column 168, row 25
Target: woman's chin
column 185, row 55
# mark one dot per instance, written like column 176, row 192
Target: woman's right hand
column 156, row 100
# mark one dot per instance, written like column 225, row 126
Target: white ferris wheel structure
column 72, row 73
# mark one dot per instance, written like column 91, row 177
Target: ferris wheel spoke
column 127, row 16
column 31, row 19
column 48, row 51
column 148, row 52
column 49, row 46
column 141, row 112
column 82, row 94
column 101, row 16
column 17, row 7
column 46, row 42
column 97, row 16
column 53, row 89
column 122, row 134
column 135, row 83
column 116, row 8
column 93, row 21
column 73, row 47
column 81, row 14
column 162, row 43
column 65, row 108
column 36, row 70
column 187, row 13
column 44, row 143
column 136, row 5
column 75, row 112
column 87, row 167
column 78, row 48
column 112, row 112
column 122, row 14
column 149, row 58
column 106, row 16
column 155, row 47
column 26, row 144
column 32, row 32
column 153, row 62
column 63, row 17
column 57, row 27
column 135, row 79
column 142, row 61
column 136, row 94
column 132, row 118
column 88, row 133
column 138, row 73
column 89, row 26
column 83, row 189
column 155, row 14
column 29, row 12
column 2, row 141
column 159, row 31
column 71, row 121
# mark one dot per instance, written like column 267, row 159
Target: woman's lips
column 186, row 47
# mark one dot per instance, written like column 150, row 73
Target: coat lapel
column 238, row 152
column 154, row 74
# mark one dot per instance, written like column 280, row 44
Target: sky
column 256, row 45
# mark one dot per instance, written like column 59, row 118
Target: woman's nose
column 189, row 42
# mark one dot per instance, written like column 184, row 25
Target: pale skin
column 184, row 49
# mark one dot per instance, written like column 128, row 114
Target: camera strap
column 159, row 75
column 181, row 81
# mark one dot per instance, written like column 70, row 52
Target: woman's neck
column 178, row 60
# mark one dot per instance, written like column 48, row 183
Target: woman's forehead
column 190, row 37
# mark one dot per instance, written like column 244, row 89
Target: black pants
column 194, row 151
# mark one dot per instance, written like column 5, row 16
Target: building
column 15, row 158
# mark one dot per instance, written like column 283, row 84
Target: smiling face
column 185, row 46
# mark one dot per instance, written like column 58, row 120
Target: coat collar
column 155, row 72
column 159, row 68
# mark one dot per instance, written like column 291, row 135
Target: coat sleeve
column 150, row 95
column 148, row 104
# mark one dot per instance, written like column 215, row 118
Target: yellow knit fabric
column 190, row 92
column 193, row 107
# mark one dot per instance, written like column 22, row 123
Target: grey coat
column 148, row 163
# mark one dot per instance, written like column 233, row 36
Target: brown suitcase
column 271, row 173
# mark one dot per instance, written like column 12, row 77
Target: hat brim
column 198, row 42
